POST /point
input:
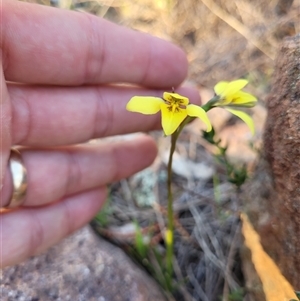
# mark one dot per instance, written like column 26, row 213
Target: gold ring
column 19, row 179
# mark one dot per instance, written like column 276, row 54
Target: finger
column 5, row 129
column 26, row 232
column 60, row 116
column 50, row 46
column 54, row 174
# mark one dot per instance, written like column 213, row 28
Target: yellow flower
column 174, row 109
column 229, row 95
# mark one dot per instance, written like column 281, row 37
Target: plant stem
column 170, row 227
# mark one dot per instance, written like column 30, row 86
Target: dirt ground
column 223, row 40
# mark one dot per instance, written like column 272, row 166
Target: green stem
column 170, row 226
column 210, row 104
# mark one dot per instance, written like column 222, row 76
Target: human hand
column 58, row 89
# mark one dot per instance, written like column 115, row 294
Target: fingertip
column 147, row 147
column 134, row 155
column 169, row 64
column 192, row 93
column 151, row 146
column 180, row 64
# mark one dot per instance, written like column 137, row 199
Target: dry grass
column 222, row 39
column 207, row 236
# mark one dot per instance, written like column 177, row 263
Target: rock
column 272, row 200
column 282, row 152
column 142, row 186
column 82, row 267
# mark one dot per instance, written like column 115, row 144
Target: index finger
column 45, row 45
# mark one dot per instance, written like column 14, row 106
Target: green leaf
column 209, row 136
column 141, row 247
column 102, row 216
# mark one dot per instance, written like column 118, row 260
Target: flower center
column 175, row 105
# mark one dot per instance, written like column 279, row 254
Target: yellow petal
column 171, row 120
column 245, row 117
column 196, row 111
column 235, row 86
column 220, row 87
column 229, row 88
column 244, row 99
column 144, row 104
column 170, row 97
